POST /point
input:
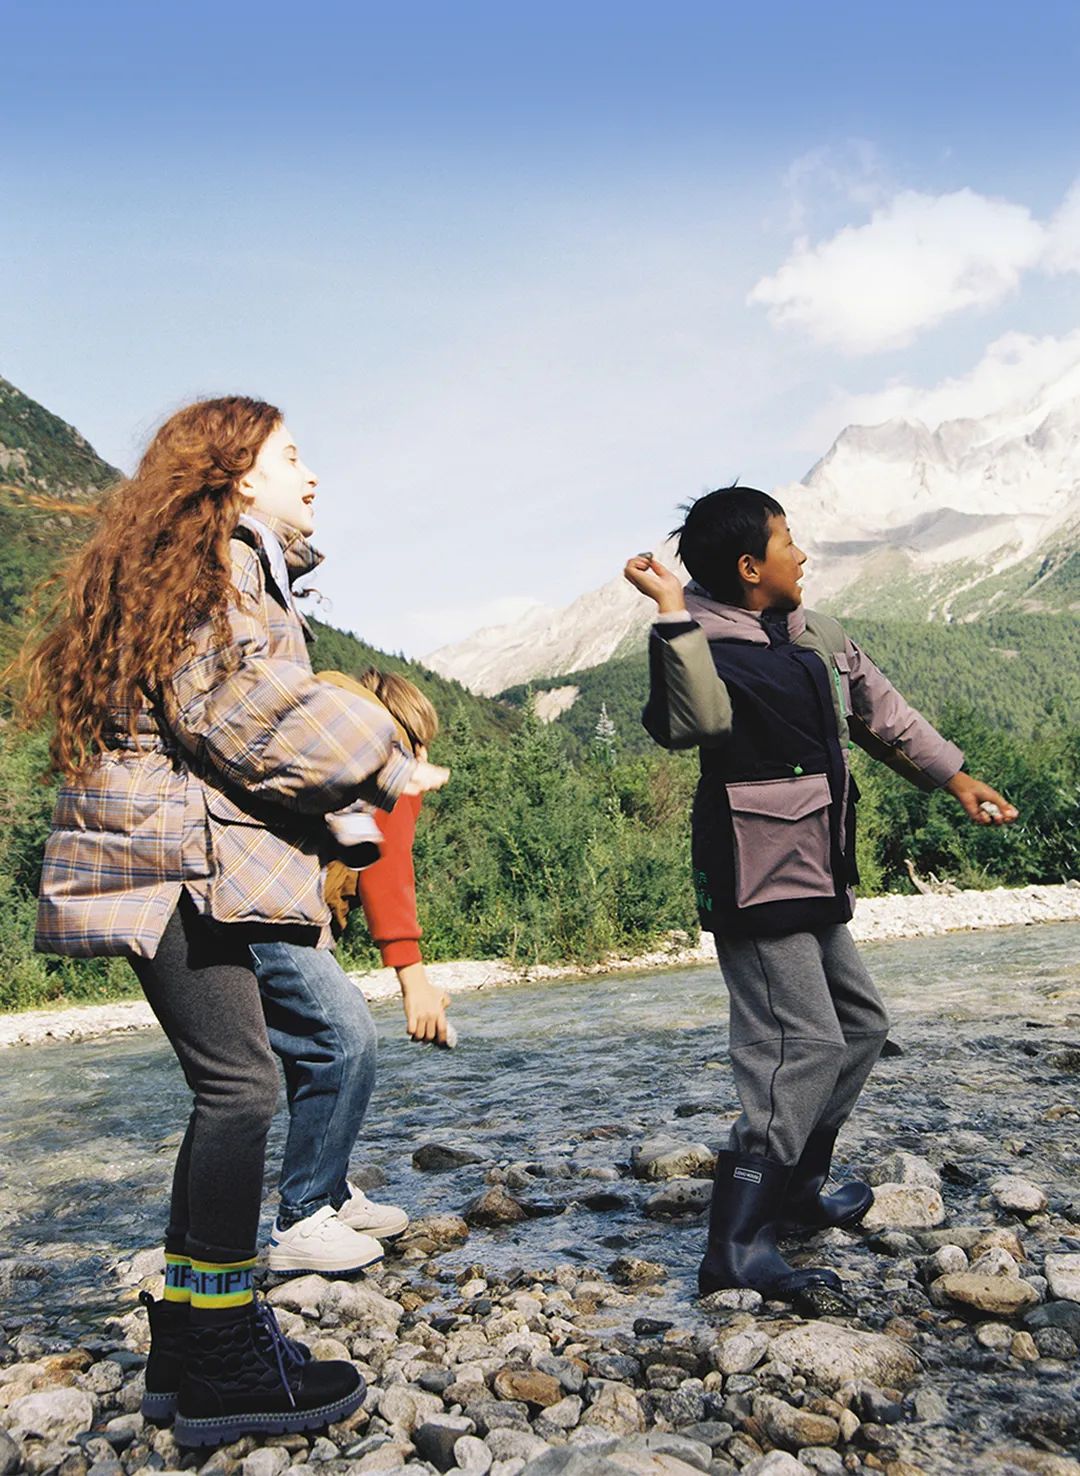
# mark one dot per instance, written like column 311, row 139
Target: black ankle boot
column 169, row 1323
column 165, row 1363
column 242, row 1376
column 806, row 1209
column 748, row 1193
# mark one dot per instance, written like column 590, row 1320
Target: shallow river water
column 88, row 1131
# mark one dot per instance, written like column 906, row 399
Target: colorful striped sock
column 215, row 1287
column 177, row 1278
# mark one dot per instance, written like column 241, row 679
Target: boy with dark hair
column 772, row 695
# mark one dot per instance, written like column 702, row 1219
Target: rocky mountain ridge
column 971, row 518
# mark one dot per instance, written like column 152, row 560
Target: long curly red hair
column 156, row 566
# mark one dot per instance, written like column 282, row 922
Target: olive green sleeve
column 688, row 704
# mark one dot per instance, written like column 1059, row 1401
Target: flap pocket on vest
column 780, row 830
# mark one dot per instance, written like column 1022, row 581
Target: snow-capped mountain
column 974, row 516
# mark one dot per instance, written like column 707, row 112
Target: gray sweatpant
column 807, row 1025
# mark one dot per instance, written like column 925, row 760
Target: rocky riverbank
column 953, row 1349
column 877, row 919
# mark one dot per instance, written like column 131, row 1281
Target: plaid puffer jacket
column 237, row 762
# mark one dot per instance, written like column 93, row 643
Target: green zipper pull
column 797, row 770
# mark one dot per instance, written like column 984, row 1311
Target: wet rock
column 441, row 1158
column 1063, row 1275
column 776, row 1463
column 930, row 1407
column 904, row 1207
column 995, row 1335
column 740, row 1352
column 825, row 1461
column 615, row 1408
column 1018, row 1195
column 669, row 1158
column 1055, row 1342
column 559, row 1418
column 633, row 1271
column 1003, row 1296
column 1001, row 1237
column 471, row 1454
column 493, row 1206
column 436, row 1232
column 685, row 1405
column 569, row 1374
column 829, row 1356
column 904, row 1168
column 267, row 1461
column 793, row 1428
column 515, row 1445
column 732, row 1299
column 678, row 1198
column 946, row 1260
column 51, row 1414
column 407, row 1407
column 529, row 1386
column 1056, row 1314
column 358, row 1301
column 436, row 1438
column 9, row 1454
column 994, row 1262
column 664, row 1442
column 619, row 1366
column 1037, row 1462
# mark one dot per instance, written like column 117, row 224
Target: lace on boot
column 285, row 1351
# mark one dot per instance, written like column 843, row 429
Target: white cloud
column 1063, row 236
column 1012, row 372
column 918, row 259
column 816, row 181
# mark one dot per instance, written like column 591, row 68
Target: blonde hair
column 404, row 701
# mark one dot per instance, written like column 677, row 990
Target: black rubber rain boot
column 805, row 1208
column 748, row 1193
column 242, row 1376
column 165, row 1364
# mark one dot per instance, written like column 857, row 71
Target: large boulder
column 51, row 1414
column 829, row 1356
column 904, row 1207
column 1003, row 1296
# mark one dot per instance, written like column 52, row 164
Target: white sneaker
column 323, row 1243
column 384, row 1221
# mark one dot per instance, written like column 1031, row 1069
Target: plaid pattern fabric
column 226, row 795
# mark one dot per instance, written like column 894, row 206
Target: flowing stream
column 88, row 1131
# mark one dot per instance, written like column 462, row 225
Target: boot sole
column 287, row 1272
column 224, row 1430
column 158, row 1409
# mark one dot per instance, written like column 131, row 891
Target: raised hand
column 655, row 581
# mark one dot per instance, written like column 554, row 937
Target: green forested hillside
column 1020, row 671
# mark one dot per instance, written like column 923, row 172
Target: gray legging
column 807, row 1025
column 203, row 990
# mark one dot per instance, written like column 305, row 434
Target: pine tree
column 605, row 736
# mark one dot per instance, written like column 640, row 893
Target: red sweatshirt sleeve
column 388, row 888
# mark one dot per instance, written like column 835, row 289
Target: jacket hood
column 722, row 622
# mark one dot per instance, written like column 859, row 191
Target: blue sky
column 522, row 277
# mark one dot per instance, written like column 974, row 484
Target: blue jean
column 319, row 1024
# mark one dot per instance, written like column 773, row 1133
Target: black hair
column 718, row 529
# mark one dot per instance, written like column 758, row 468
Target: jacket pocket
column 780, row 830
